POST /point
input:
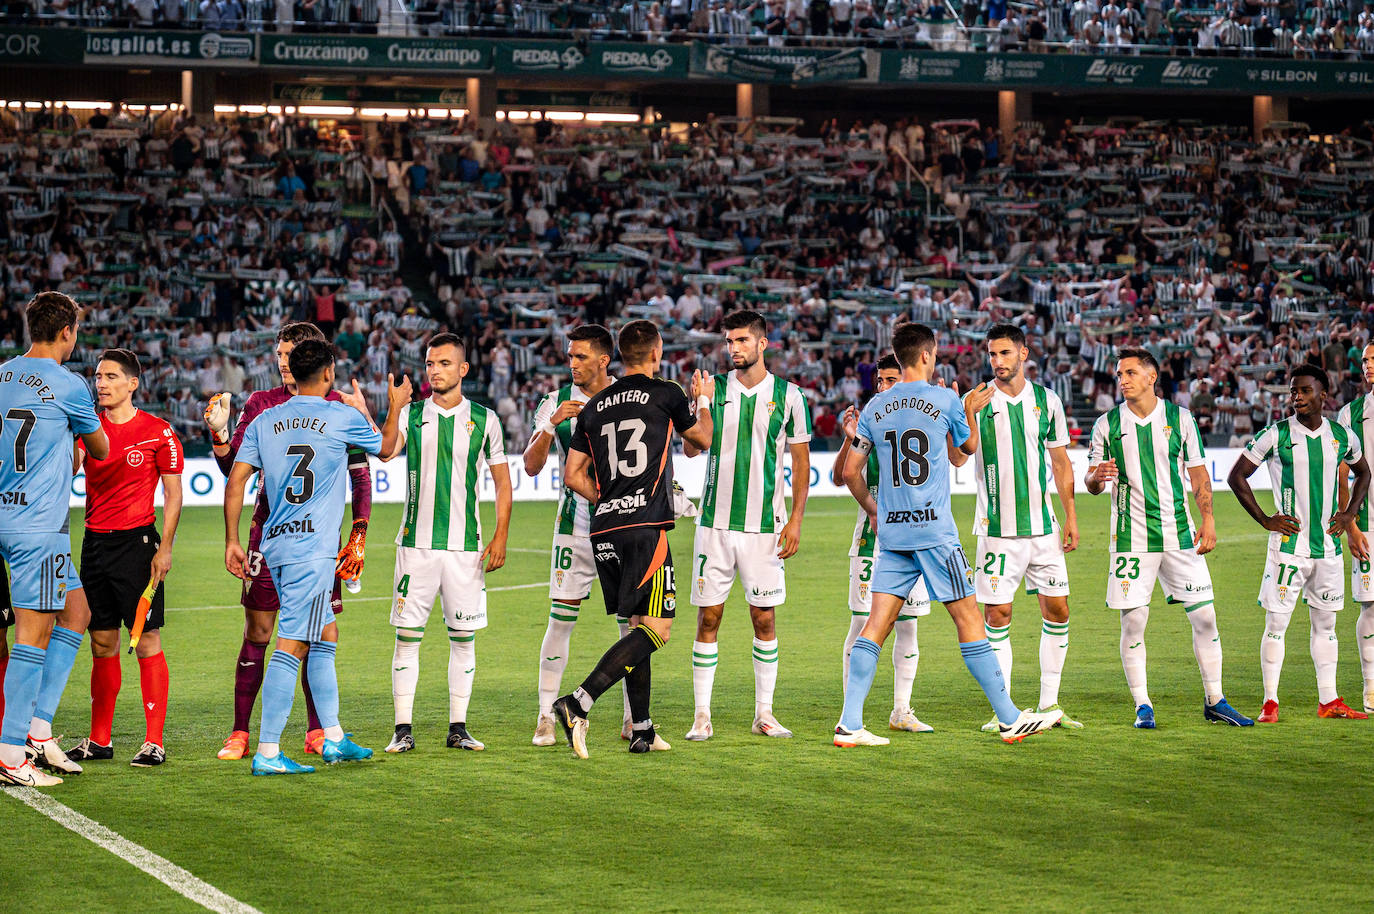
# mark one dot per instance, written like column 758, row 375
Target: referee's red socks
column 153, row 677
column 105, row 681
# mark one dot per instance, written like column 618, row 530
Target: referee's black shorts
column 114, row 569
column 6, row 610
column 635, row 567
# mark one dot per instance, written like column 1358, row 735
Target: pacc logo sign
column 1114, row 72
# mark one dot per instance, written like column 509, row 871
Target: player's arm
column 1344, row 519
column 171, row 517
column 495, row 553
column 577, row 475
column 1063, row 484
column 1101, row 468
column 97, row 444
column 789, row 541
column 217, row 413
column 225, row 454
column 353, row 396
column 1359, row 543
column 1202, row 494
column 1239, row 481
column 234, row 556
column 78, row 456
column 697, row 438
column 855, row 464
column 977, row 398
column 397, row 399
column 849, row 424
column 546, row 422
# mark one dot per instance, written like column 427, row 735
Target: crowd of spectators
column 1301, row 28
column 189, row 243
column 1230, row 258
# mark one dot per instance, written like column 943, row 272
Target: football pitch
column 1191, row 816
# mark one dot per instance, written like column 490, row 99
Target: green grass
column 1108, row 818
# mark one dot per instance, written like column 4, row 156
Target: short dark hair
column 309, row 359
column 447, row 339
column 298, row 332
column 745, row 320
column 889, row 363
column 1007, row 332
column 1135, row 352
column 909, row 341
column 636, row 341
column 597, row 335
column 1308, row 370
column 124, row 359
column 48, row 314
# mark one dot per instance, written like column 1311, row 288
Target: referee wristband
column 703, row 402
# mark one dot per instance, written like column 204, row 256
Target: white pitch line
column 351, row 600
column 163, row 870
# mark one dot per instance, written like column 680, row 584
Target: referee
column 122, row 552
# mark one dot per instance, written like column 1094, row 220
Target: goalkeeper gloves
column 682, row 505
column 217, row 418
column 350, row 564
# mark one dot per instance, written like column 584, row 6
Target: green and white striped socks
column 765, row 674
column 405, row 672
column 462, row 669
column 1054, row 647
column 704, row 658
column 553, row 653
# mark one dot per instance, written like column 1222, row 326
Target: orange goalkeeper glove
column 350, row 564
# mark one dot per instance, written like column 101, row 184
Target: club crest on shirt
column 471, row 426
column 134, row 458
column 772, row 405
column 1168, row 430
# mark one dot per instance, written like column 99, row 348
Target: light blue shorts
column 945, row 570
column 304, row 589
column 41, row 570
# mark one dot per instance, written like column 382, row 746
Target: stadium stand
column 190, row 242
column 1332, row 29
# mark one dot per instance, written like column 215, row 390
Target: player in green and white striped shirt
column 1306, row 455
column 1358, row 416
column 448, row 440
column 1023, row 443
column 744, row 528
column 906, row 653
column 1144, row 448
column 572, row 569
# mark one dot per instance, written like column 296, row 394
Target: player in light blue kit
column 912, row 426
column 42, row 405
column 301, row 447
